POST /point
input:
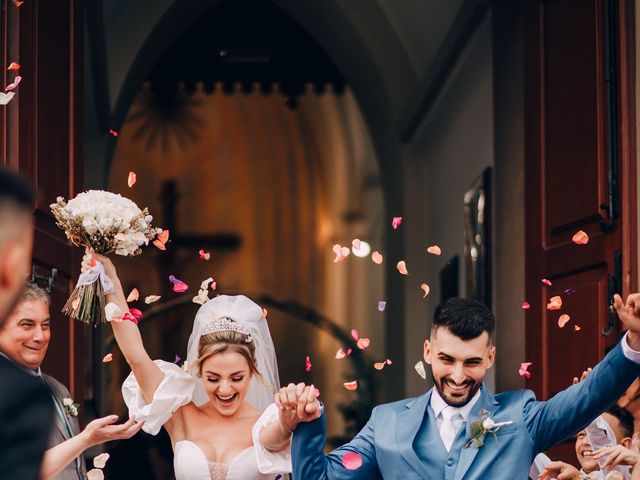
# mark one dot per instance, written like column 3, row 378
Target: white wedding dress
column 190, row 463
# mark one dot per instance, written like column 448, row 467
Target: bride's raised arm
column 127, row 334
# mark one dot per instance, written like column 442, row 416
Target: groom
column 429, row 437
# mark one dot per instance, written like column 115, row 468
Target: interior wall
column 290, row 184
column 450, row 151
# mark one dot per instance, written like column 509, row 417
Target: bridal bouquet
column 108, row 223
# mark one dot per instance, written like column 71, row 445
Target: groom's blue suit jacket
column 388, row 448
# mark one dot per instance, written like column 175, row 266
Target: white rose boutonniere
column 482, row 426
column 70, row 407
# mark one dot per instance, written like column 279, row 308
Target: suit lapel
column 408, row 424
column 60, row 417
column 467, row 455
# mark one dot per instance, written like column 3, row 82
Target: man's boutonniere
column 481, row 427
column 70, row 407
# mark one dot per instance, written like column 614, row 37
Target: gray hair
column 33, row 293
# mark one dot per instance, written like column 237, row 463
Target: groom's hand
column 629, row 314
column 297, row 403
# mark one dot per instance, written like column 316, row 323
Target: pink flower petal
column 13, row 85
column 425, row 289
column 133, row 296
column 180, row 287
column 363, row 343
column 113, row 132
column 356, row 243
column 377, row 257
column 131, row 179
column 546, row 282
column 163, row 236
column 523, row 370
column 351, row 461
column 434, row 250
column 341, row 253
column 340, row 354
column 159, row 245
column 354, row 334
column 580, row 238
column 107, row 358
column 526, row 306
column 395, row 223
column 307, row 364
column 562, row 321
column 379, row 365
column 151, row 298
column 351, row 385
column 348, row 351
column 95, row 474
column 13, row 66
column 576, row 328
column 101, row 460
column 204, row 255
column 402, row 267
column 555, row 303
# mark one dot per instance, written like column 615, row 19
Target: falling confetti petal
column 569, row 291
column 363, row 343
column 204, row 255
column 95, row 474
column 377, row 257
column 107, row 358
column 425, row 289
column 13, row 66
column 341, row 253
column 131, row 180
column 159, row 244
column 395, row 223
column 546, row 282
column 113, row 132
column 152, row 298
column 354, row 334
column 163, row 236
column 178, row 358
column 340, row 354
column 526, row 306
column 523, row 370
column 307, row 364
column 133, row 296
column 355, row 243
column 420, row 369
column 555, row 303
column 576, row 328
column 562, row 321
column 178, row 285
column 351, row 461
column 580, row 238
column 402, row 267
column 351, row 385
column 348, row 351
column 6, row 97
column 381, row 305
column 381, row 365
column 16, row 82
column 434, row 250
column 101, row 460
column 17, row 3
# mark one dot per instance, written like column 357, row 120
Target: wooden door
column 580, row 175
column 40, row 135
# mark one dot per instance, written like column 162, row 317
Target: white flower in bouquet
column 106, row 222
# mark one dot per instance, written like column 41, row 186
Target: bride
column 219, row 413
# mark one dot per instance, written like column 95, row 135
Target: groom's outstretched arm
column 310, row 462
column 573, row 409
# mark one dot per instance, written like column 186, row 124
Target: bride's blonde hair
column 224, row 341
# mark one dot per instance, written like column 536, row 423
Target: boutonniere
column 483, row 426
column 70, row 407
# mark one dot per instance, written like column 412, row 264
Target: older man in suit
column 24, row 339
column 25, row 410
column 459, row 430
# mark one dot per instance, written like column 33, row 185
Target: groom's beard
column 456, row 401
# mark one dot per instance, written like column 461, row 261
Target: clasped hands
column 297, row 403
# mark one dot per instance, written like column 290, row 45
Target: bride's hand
column 89, row 262
column 297, row 403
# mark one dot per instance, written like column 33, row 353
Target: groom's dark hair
column 465, row 318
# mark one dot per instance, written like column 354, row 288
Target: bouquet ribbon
column 94, row 274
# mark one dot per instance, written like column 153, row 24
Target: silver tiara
column 225, row 324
